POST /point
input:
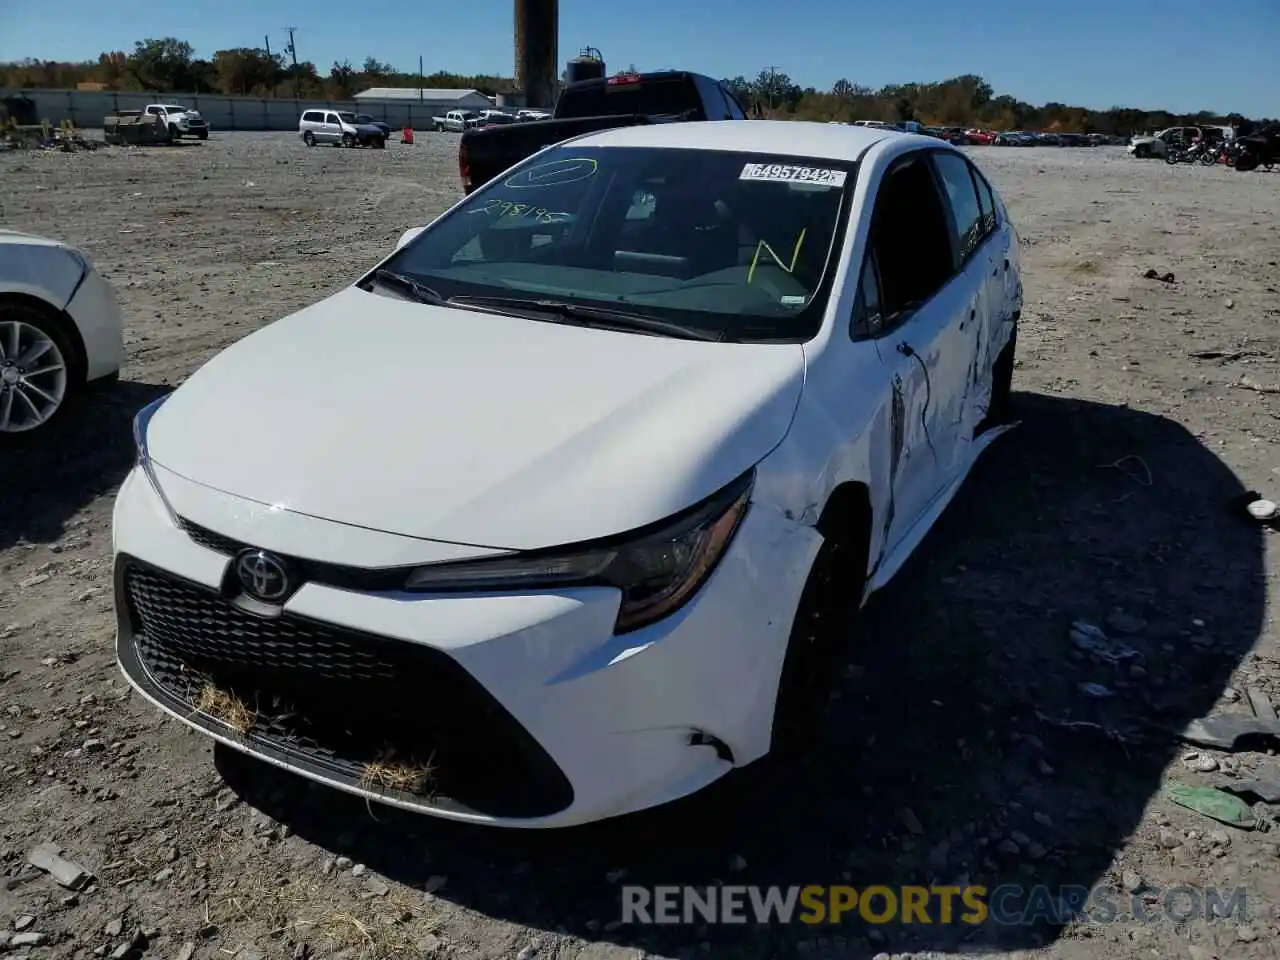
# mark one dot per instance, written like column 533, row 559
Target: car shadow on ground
column 948, row 758
column 48, row 477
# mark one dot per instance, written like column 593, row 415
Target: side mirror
column 408, row 235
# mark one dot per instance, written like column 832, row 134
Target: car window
column 330, row 118
column 735, row 243
column 735, row 108
column 988, row 198
column 868, row 317
column 713, row 99
column 153, row 110
column 966, row 211
column 651, row 96
column 313, row 116
column 910, row 237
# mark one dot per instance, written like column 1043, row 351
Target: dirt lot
column 949, row 755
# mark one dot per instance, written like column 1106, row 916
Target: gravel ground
column 1147, row 405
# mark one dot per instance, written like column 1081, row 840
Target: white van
column 338, row 127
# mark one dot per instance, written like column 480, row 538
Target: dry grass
column 225, row 706
column 323, row 914
column 390, row 772
column 1086, row 268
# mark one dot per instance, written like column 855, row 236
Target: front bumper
column 527, row 708
column 95, row 310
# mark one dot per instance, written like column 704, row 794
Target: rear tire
column 1000, row 410
column 1247, row 161
column 379, row 143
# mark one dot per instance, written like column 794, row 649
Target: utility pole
column 292, row 50
column 267, row 40
column 773, row 84
column 419, row 78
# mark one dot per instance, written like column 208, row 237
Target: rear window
column 313, row 116
column 734, row 243
column 646, row 97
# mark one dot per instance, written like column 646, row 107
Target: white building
column 437, row 99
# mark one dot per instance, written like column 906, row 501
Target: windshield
column 648, row 96
column 736, row 244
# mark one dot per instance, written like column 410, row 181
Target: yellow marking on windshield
column 762, row 246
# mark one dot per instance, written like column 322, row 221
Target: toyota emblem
column 263, row 576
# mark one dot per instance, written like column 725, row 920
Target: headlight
column 141, row 452
column 657, row 569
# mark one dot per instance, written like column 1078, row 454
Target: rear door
column 969, row 305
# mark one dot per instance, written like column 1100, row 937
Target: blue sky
column 1182, row 55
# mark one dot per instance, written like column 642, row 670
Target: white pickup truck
column 456, row 121
column 180, row 121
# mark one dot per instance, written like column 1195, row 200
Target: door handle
column 965, row 323
column 1006, row 264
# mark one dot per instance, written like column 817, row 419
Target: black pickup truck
column 624, row 100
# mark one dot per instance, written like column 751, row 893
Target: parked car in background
column 523, row 115
column 60, row 330
column 662, row 597
column 456, row 121
column 339, row 129
column 664, row 96
column 179, row 120
column 984, row 138
column 952, row 135
column 1158, row 144
column 364, row 120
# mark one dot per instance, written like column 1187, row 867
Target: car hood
column 474, row 428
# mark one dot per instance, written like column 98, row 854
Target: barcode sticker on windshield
column 782, row 173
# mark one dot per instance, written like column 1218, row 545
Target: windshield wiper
column 406, row 284
column 593, row 316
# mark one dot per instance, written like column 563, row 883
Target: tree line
column 171, row 65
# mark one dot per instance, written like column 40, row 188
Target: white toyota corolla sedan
column 60, row 329
column 532, row 525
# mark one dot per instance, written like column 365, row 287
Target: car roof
column 784, row 137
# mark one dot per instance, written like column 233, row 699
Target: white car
column 60, row 329
column 546, row 542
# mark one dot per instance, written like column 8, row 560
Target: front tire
column 309, row 139
column 1142, row 152
column 203, row 135
column 174, row 135
column 37, row 370
column 822, row 630
column 348, row 140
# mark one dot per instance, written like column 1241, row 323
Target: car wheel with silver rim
column 34, row 370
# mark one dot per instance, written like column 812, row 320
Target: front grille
column 314, row 571
column 335, row 701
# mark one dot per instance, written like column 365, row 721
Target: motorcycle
column 1185, row 153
